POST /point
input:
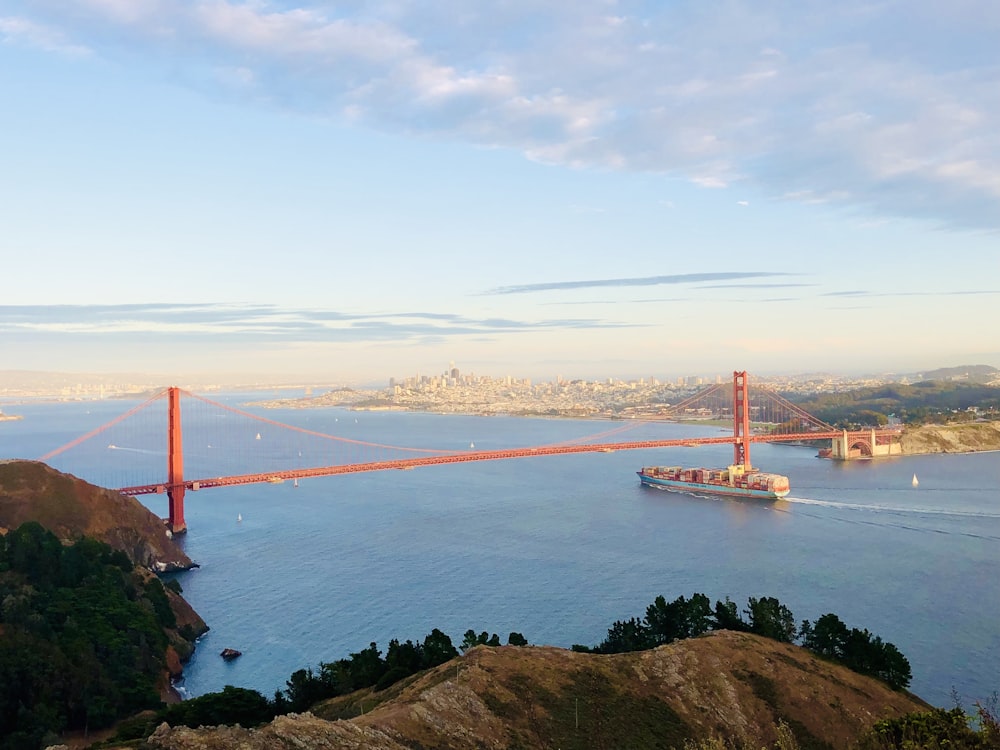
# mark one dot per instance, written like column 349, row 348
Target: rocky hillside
column 728, row 685
column 955, row 438
column 71, row 508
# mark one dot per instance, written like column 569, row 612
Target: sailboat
column 472, row 446
column 258, row 436
column 914, row 482
column 239, row 517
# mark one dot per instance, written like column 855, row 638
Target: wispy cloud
column 857, row 293
column 259, row 322
column 683, row 278
column 771, row 96
column 20, row 30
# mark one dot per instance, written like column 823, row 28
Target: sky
column 363, row 190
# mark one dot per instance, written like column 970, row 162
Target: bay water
column 559, row 547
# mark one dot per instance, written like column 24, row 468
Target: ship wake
column 871, row 508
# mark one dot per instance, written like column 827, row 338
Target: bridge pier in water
column 869, row 443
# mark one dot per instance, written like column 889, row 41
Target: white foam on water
column 891, row 508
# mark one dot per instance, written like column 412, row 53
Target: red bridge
column 303, row 453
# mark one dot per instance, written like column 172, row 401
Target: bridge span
column 786, row 423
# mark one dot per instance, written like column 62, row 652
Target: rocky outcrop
column 734, row 686
column 955, row 438
column 71, row 508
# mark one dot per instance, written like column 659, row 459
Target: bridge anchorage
column 292, row 453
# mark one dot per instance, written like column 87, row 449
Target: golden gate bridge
column 220, row 442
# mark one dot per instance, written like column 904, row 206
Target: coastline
column 951, row 439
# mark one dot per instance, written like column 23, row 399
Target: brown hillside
column 955, row 438
column 727, row 685
column 71, row 508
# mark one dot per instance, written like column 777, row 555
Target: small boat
column 258, row 436
column 239, row 517
column 295, row 483
column 914, row 482
column 472, row 446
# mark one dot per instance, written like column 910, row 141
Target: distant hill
column 727, row 685
column 71, row 508
column 924, row 401
column 969, row 373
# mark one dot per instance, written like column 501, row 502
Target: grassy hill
column 71, row 508
column 734, row 686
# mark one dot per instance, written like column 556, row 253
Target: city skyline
column 606, row 190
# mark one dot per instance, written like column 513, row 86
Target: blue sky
column 359, row 190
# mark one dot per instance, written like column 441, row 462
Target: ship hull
column 679, row 485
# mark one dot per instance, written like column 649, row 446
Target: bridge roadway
column 465, row 457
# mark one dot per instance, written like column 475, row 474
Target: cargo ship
column 740, row 478
column 736, row 480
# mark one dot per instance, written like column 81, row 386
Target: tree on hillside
column 681, row 618
column 857, row 649
column 771, row 618
column 438, row 649
column 828, row 637
column 83, row 636
column 626, row 635
column 471, row 640
column 727, row 616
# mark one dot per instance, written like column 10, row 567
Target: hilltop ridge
column 71, row 508
column 729, row 685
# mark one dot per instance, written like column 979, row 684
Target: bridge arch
column 861, row 444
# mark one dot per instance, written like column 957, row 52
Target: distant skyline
column 356, row 191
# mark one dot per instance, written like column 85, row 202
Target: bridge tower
column 741, row 419
column 175, row 462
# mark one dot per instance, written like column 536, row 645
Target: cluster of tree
column 954, row 729
column 927, row 401
column 367, row 668
column 364, row 669
column 471, row 640
column 83, row 636
column 665, row 622
column 306, row 687
column 856, row 649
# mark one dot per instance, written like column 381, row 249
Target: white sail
column 915, row 482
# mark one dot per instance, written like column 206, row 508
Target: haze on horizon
column 364, row 190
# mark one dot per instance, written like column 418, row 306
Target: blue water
column 559, row 547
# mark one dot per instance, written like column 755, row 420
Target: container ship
column 740, row 478
column 737, row 480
